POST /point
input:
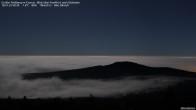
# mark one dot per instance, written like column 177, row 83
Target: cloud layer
column 11, row 83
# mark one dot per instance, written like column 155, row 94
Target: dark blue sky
column 101, row 27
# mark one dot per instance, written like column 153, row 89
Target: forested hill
column 112, row 71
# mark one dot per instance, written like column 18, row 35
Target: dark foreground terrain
column 171, row 98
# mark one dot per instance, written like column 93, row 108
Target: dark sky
column 101, row 27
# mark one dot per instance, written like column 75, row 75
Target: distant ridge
column 112, row 71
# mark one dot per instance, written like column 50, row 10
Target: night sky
column 101, row 27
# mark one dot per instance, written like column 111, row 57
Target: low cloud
column 55, row 87
column 11, row 83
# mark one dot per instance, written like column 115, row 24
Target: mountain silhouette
column 112, row 71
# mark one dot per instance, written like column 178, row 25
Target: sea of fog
column 11, row 68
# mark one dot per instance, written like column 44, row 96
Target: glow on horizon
column 72, row 62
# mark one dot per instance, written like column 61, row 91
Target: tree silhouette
column 71, row 104
column 25, row 98
column 91, row 103
column 9, row 97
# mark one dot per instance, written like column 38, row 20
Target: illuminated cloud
column 11, row 67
